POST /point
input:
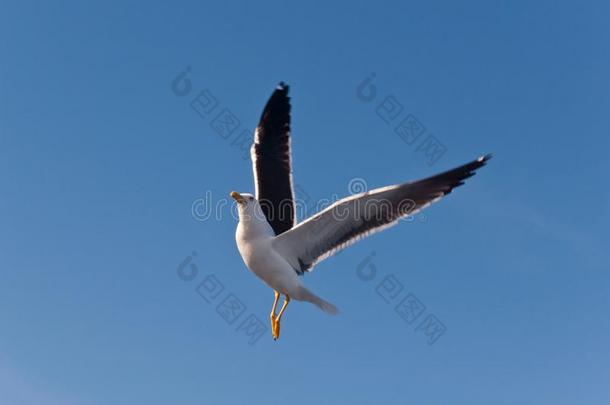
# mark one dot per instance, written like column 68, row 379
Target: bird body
column 277, row 249
column 254, row 238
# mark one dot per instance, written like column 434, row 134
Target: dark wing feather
column 271, row 162
column 355, row 217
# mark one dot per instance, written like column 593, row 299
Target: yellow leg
column 272, row 314
column 276, row 329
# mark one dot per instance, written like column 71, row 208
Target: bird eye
column 251, row 198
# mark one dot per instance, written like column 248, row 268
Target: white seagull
column 278, row 250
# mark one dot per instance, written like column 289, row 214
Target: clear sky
column 103, row 157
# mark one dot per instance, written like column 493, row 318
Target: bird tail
column 305, row 295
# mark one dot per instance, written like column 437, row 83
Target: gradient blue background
column 100, row 162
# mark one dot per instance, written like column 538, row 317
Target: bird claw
column 275, row 329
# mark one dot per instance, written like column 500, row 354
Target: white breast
column 254, row 245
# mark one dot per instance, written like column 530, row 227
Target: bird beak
column 236, row 196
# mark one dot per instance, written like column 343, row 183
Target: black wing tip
column 277, row 107
column 457, row 177
column 280, row 95
column 480, row 162
column 283, row 87
column 472, row 167
column 483, row 159
column 469, row 169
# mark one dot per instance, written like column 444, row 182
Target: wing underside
column 355, row 217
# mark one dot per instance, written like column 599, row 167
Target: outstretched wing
column 357, row 216
column 270, row 154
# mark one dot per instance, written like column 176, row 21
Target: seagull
column 277, row 249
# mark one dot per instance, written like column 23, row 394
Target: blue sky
column 101, row 162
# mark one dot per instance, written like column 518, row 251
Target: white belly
column 273, row 269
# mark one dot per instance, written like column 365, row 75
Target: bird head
column 247, row 205
column 242, row 199
column 251, row 215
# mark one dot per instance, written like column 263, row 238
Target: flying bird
column 277, row 249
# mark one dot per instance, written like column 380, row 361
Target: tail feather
column 305, row 295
